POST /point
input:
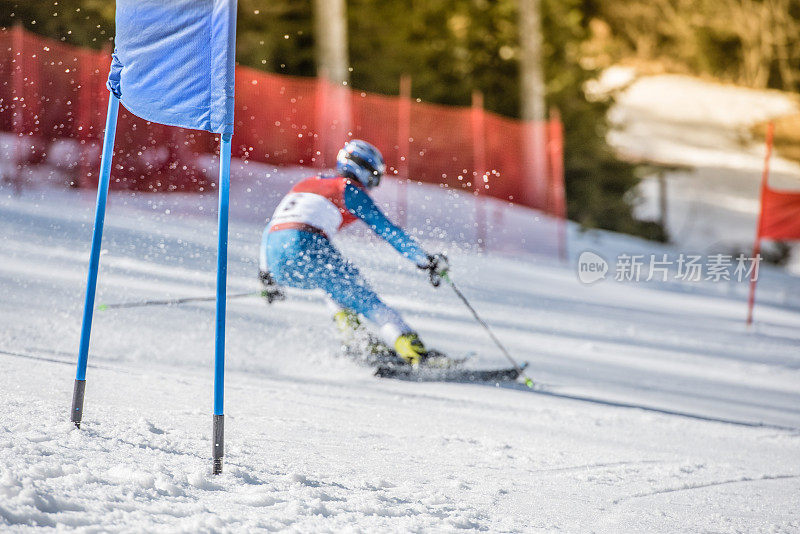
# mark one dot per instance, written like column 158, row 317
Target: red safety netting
column 52, row 91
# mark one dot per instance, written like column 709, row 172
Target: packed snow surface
column 655, row 410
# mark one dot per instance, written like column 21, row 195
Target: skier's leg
column 394, row 331
column 308, row 261
column 263, row 266
column 288, row 256
column 271, row 290
column 347, row 288
column 342, row 281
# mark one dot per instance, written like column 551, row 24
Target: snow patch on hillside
column 703, row 128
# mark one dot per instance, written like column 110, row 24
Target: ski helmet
column 361, row 161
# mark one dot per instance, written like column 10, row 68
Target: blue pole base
column 77, row 402
column 219, row 443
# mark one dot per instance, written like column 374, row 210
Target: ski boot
column 357, row 342
column 347, row 323
column 411, row 349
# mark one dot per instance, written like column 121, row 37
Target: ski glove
column 437, row 268
column 271, row 290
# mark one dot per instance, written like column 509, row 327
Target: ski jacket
column 324, row 205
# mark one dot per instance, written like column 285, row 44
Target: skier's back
column 296, row 249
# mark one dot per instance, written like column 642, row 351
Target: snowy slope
column 658, row 410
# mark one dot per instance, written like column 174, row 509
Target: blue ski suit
column 297, row 250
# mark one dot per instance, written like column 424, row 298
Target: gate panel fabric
column 780, row 214
column 173, row 62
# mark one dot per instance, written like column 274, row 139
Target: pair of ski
column 388, row 364
column 451, row 374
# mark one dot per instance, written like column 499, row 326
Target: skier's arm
column 359, row 203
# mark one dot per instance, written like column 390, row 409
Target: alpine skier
column 296, row 248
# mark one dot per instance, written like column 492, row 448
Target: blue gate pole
column 218, row 430
column 76, row 412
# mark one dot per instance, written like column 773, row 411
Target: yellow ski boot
column 357, row 341
column 347, row 323
column 410, row 348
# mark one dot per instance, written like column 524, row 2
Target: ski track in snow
column 626, row 435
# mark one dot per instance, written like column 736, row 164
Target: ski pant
column 304, row 260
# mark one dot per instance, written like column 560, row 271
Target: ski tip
column 529, row 382
column 102, row 307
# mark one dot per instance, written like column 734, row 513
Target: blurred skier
column 296, row 250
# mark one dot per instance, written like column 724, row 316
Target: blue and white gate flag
column 173, row 61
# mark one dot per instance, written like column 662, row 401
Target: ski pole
column 446, row 277
column 169, row 302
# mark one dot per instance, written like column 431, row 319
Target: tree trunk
column 533, row 110
column 333, row 113
column 531, row 72
column 330, row 26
